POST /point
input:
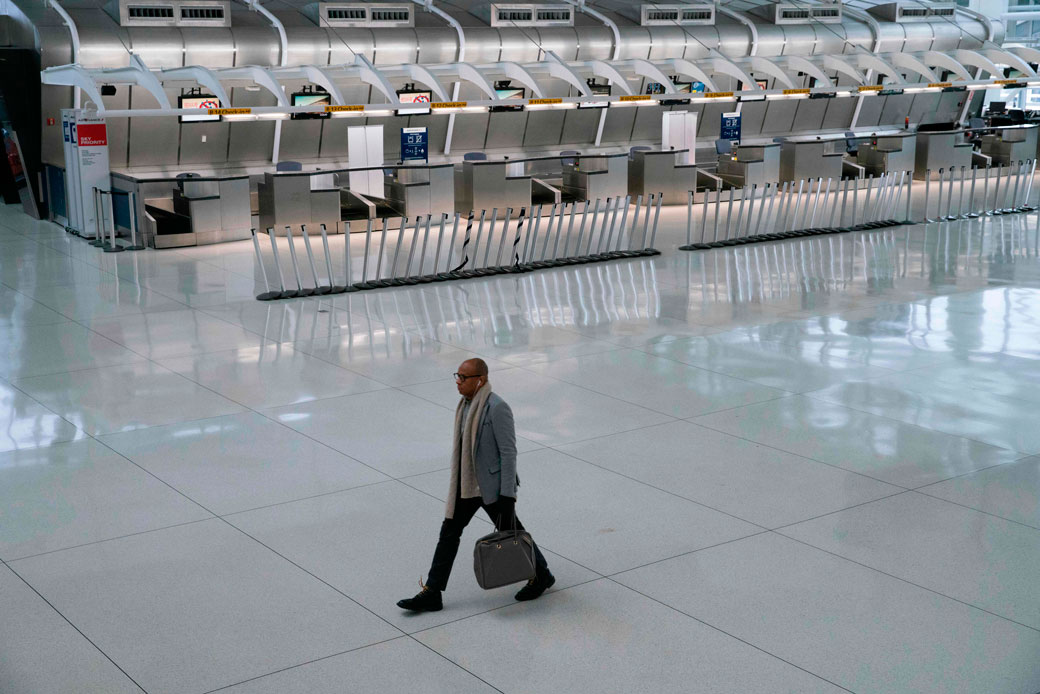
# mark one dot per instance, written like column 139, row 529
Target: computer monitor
column 597, row 90
column 997, row 106
column 516, row 94
column 311, row 99
column 202, row 102
column 420, row 99
column 762, row 84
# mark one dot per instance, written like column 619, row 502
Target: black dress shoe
column 426, row 600
column 535, row 587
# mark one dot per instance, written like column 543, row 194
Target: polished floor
column 804, row 466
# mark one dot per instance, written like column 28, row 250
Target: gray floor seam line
column 78, row 630
column 303, row 664
column 977, row 510
column 109, row 539
column 787, row 452
column 308, row 498
column 732, row 636
column 909, row 582
column 841, row 510
column 653, row 486
column 1024, row 454
column 688, row 553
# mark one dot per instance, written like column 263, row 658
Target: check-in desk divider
column 514, row 242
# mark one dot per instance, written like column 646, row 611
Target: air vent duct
column 656, row 15
column 784, row 13
column 361, row 14
column 513, row 14
column 170, row 13
column 909, row 12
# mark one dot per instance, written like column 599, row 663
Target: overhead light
column 252, row 87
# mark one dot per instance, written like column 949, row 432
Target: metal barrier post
column 267, row 294
column 285, row 293
column 132, row 202
column 300, row 291
column 319, row 291
column 927, row 194
column 451, row 244
column 971, row 214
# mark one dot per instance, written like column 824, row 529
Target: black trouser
column 501, row 514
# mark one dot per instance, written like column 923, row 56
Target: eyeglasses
column 459, row 378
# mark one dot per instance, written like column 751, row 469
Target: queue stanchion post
column 112, row 246
column 446, row 274
column 391, row 267
column 514, row 264
column 285, row 293
column 407, row 277
column 134, row 245
column 995, row 211
column 267, row 294
column 1026, row 207
column 300, row 289
column 318, row 290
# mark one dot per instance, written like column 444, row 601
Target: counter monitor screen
column 311, row 99
column 509, row 94
column 597, row 90
column 201, row 102
column 997, row 106
column 421, row 101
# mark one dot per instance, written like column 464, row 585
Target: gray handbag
column 503, row 557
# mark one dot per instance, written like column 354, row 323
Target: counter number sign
column 414, row 144
column 730, row 127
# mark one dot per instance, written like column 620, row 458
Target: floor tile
column 396, row 358
column 1010, row 491
column 416, row 669
column 662, row 385
column 230, row 609
column 356, row 425
column 602, row 637
column 240, row 461
column 25, row 423
column 877, row 446
column 598, row 519
column 125, row 397
column 524, row 344
column 44, row 653
column 853, row 626
column 71, row 494
column 320, row 534
column 778, row 365
column 58, row 348
column 104, row 299
column 17, row 309
column 269, row 376
column 175, row 333
column 550, row 412
column 970, row 556
column 952, row 409
column 757, row 483
column 294, row 320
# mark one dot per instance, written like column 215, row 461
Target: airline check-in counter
column 750, row 164
column 659, row 171
column 887, row 152
column 1010, row 144
column 941, row 149
column 188, row 210
column 292, row 198
column 490, row 184
column 811, row 157
column 596, row 177
column 420, row 189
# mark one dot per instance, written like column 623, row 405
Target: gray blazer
column 494, row 456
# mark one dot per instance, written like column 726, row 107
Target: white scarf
column 462, row 466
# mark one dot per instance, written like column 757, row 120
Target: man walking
column 483, row 475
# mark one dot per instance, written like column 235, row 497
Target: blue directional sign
column 415, row 144
column 730, row 128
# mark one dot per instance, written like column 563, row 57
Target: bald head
column 476, row 366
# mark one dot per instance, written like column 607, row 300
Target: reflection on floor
column 804, row 466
